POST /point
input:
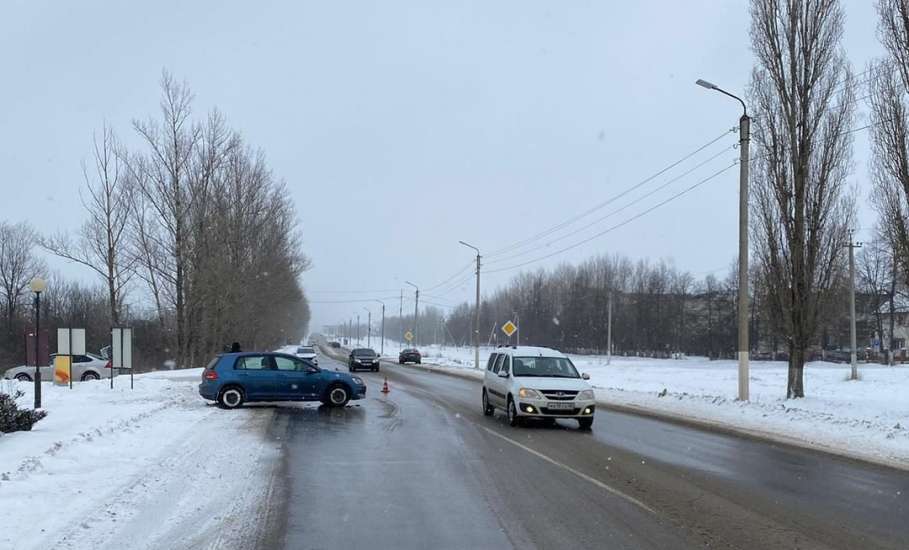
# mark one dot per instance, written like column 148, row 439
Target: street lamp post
column 38, row 285
column 476, row 329
column 416, row 312
column 744, row 142
column 368, row 327
column 358, row 330
column 382, row 344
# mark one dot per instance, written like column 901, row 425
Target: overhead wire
column 617, row 210
column 607, row 201
column 618, row 225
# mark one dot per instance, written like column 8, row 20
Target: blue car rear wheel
column 230, row 397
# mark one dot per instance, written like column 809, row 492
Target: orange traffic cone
column 385, row 386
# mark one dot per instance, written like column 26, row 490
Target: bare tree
column 101, row 242
column 890, row 128
column 165, row 183
column 18, row 266
column 893, row 29
column 875, row 274
column 802, row 87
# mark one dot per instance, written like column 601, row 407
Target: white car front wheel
column 512, row 412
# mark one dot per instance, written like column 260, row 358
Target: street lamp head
column 38, row 285
column 705, row 84
column 470, row 246
column 411, row 284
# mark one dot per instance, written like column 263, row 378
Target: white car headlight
column 357, row 380
column 528, row 393
column 586, row 395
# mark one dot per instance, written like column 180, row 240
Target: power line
column 608, row 201
column 618, row 210
column 618, row 225
column 380, row 291
column 443, row 283
column 352, row 301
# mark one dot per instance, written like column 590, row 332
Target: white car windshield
column 554, row 367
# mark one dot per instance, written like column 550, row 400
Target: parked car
column 410, row 355
column 85, row 367
column 335, row 345
column 231, row 379
column 308, row 352
column 363, row 358
column 530, row 382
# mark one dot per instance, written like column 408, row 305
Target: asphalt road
column 423, row 468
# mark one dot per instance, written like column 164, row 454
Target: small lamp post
column 38, row 285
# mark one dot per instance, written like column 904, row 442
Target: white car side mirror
column 503, row 374
column 585, row 376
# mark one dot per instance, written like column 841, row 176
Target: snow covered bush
column 14, row 419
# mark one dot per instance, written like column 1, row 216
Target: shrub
column 14, row 419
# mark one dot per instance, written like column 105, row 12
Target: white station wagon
column 538, row 383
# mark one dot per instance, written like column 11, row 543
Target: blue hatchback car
column 234, row 378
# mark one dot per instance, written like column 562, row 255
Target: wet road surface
column 423, row 468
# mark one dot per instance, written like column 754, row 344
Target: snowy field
column 867, row 419
column 133, row 468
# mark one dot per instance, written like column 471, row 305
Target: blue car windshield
column 554, row 367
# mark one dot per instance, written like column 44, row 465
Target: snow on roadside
column 866, row 419
column 153, row 467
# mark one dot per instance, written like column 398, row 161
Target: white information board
column 78, row 343
column 122, row 348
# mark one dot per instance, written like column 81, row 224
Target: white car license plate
column 560, row 406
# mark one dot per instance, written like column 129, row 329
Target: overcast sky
column 402, row 127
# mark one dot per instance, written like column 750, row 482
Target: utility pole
column 382, row 351
column 609, row 330
column 416, row 313
column 744, row 161
column 517, row 332
column 852, row 344
column 358, row 330
column 368, row 327
column 476, row 329
column 401, row 321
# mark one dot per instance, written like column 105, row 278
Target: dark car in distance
column 363, row 358
column 409, row 355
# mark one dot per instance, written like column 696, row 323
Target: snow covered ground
column 135, row 468
column 867, row 419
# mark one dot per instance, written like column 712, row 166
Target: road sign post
column 121, row 353
column 70, row 342
column 509, row 328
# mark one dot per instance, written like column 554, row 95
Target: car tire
column 488, row 410
column 376, row 369
column 419, row 362
column 513, row 419
column 231, row 397
column 337, row 396
column 90, row 376
column 585, row 423
column 22, row 377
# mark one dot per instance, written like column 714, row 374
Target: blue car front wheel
column 337, row 396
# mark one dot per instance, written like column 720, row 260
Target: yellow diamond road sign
column 509, row 328
column 408, row 336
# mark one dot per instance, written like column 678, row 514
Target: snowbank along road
column 420, row 467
